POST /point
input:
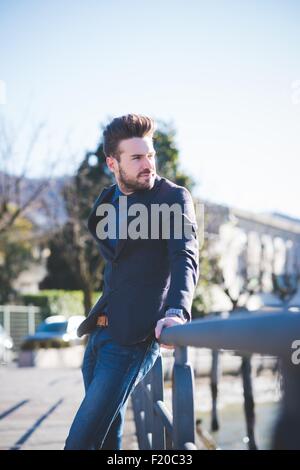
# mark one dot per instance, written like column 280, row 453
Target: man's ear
column 110, row 162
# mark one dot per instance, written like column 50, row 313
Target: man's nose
column 149, row 164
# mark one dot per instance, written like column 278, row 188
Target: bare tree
column 19, row 192
column 24, row 200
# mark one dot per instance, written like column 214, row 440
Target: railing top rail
column 19, row 308
column 255, row 332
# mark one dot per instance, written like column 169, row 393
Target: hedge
column 58, row 302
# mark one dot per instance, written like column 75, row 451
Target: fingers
column 158, row 328
column 163, row 323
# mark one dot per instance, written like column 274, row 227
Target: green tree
column 210, row 274
column 168, row 162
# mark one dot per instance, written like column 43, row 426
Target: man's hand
column 164, row 323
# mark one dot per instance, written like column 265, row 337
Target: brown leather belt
column 102, row 320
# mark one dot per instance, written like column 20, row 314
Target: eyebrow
column 142, row 154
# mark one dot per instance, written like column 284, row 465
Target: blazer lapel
column 142, row 197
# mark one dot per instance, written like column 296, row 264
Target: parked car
column 56, row 331
column 6, row 346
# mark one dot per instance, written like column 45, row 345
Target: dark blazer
column 143, row 277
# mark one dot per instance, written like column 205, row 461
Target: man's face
column 136, row 169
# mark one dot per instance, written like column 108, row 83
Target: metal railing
column 156, row 428
column 276, row 333
column 19, row 321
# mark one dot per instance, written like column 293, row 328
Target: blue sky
column 226, row 73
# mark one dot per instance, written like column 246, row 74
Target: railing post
column 6, row 319
column 148, row 409
column 157, row 380
column 183, row 400
column 138, row 415
column 249, row 406
column 31, row 320
column 214, row 381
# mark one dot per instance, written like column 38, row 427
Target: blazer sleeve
column 183, row 254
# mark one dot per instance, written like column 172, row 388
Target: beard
column 135, row 184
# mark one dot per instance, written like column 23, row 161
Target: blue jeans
column 110, row 373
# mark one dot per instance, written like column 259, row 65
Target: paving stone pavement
column 37, row 407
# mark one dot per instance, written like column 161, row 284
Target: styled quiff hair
column 125, row 127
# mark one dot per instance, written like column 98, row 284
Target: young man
column 149, row 280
